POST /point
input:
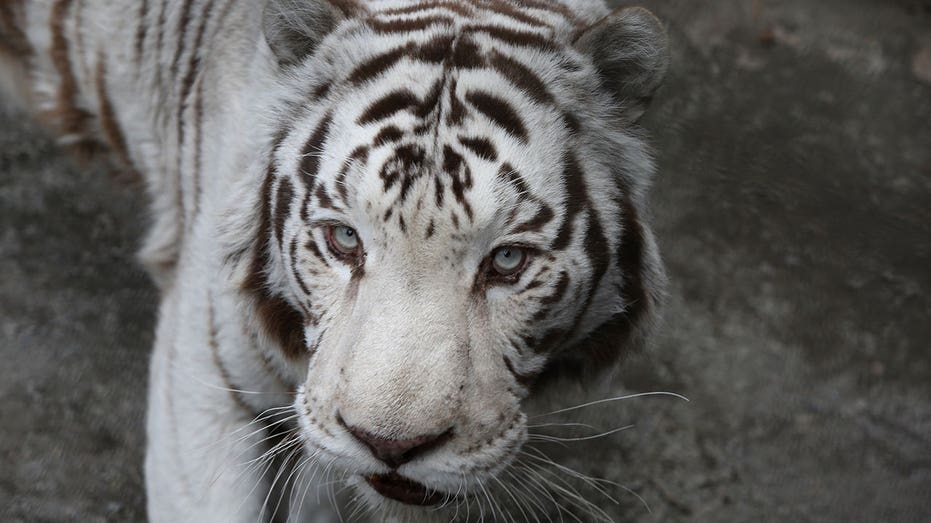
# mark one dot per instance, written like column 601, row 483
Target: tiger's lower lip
column 397, row 487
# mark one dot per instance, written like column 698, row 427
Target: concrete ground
column 793, row 207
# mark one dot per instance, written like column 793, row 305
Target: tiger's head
column 452, row 213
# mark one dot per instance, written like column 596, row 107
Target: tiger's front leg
column 200, row 442
column 216, row 453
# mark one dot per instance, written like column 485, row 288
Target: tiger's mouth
column 399, row 488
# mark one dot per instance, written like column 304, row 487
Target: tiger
column 384, row 234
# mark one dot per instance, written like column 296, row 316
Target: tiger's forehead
column 430, row 118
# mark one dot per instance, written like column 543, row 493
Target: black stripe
column 409, row 24
column 522, row 77
column 388, row 105
column 295, row 263
column 282, row 207
column 515, row 37
column 499, row 111
column 576, row 199
column 312, row 151
column 456, row 7
column 141, row 30
column 482, row 147
column 360, row 154
column 183, row 22
column 389, row 134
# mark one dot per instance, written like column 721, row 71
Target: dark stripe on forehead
column 405, row 166
column 388, row 105
column 506, row 9
column 456, row 110
column 522, row 77
column 408, row 25
column 431, row 100
column 543, row 216
column 498, row 111
column 460, row 176
column 376, row 66
column 509, row 175
column 433, row 51
column 482, row 147
column 455, row 7
column 389, row 134
column 467, row 54
column 553, row 7
column 515, row 37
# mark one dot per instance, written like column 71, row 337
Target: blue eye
column 508, row 260
column 346, row 237
column 343, row 240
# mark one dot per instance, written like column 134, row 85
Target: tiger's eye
column 344, row 239
column 508, row 260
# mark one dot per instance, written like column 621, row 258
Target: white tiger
column 381, row 230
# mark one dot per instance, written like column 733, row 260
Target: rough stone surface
column 793, row 207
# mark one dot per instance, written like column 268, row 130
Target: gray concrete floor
column 793, row 207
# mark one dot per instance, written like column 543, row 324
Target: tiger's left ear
column 294, row 28
column 631, row 52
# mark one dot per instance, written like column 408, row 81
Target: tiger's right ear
column 630, row 49
column 294, row 28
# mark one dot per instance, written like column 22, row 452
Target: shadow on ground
column 793, row 207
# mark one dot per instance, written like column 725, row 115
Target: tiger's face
column 452, row 210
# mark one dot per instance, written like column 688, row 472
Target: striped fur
column 438, row 131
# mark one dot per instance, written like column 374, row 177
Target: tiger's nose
column 396, row 452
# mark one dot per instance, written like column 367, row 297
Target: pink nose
column 396, row 452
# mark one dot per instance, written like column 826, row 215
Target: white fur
column 410, row 352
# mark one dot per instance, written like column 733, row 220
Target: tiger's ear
column 631, row 52
column 294, row 28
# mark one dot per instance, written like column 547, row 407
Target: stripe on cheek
column 630, row 254
column 279, row 320
column 576, row 200
column 358, row 156
column 310, row 164
column 282, row 207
